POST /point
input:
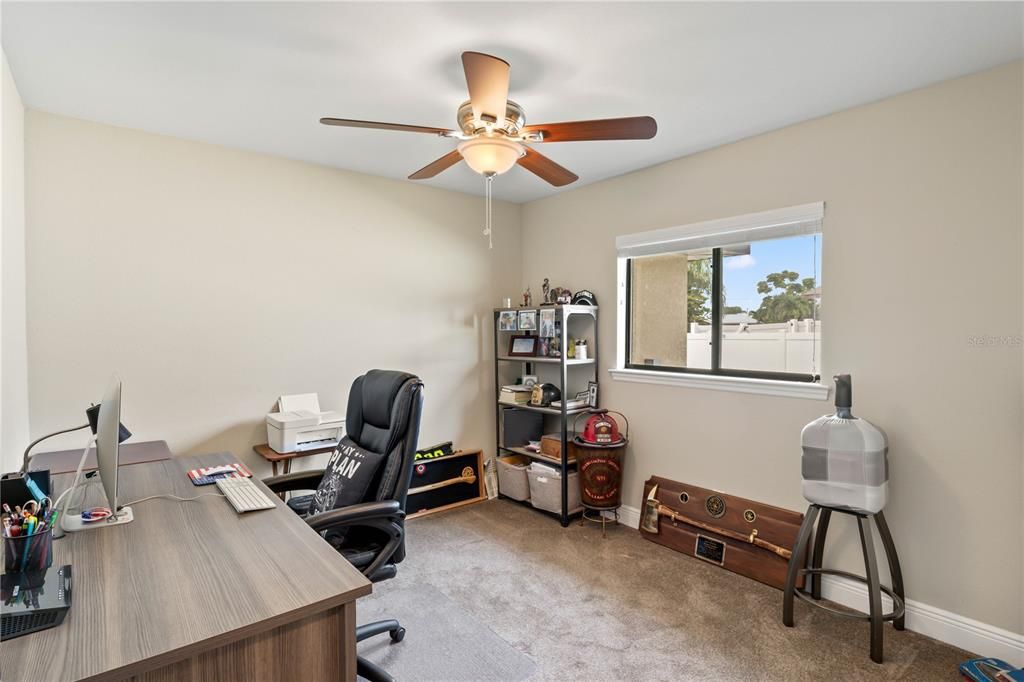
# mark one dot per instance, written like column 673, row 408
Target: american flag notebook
column 209, row 475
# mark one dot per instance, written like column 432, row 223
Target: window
column 736, row 298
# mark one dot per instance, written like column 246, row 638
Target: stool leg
column 894, row 564
column 794, row 564
column 819, row 550
column 874, row 587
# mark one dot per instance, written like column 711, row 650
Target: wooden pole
column 735, row 535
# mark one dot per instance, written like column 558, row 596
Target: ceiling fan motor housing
column 515, row 119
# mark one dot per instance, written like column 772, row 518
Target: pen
column 28, row 543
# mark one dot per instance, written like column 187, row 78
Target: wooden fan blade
column 487, row 80
column 435, row 167
column 546, row 169
column 633, row 128
column 377, row 125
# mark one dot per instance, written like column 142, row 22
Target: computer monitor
column 107, row 431
column 108, row 438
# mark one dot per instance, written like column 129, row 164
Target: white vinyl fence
column 792, row 347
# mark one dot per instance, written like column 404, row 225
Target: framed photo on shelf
column 547, row 322
column 507, row 321
column 527, row 320
column 592, row 393
column 522, row 346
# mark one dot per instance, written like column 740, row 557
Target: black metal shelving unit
column 564, row 314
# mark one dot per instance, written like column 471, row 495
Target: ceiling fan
column 493, row 131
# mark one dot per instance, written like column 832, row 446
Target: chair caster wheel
column 398, row 635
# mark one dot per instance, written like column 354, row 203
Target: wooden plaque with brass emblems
column 445, row 482
column 752, row 537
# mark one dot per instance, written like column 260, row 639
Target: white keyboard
column 243, row 494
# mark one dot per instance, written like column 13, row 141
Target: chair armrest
column 299, row 480
column 364, row 514
column 385, row 516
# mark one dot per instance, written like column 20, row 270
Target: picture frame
column 547, row 323
column 507, row 321
column 522, row 346
column 527, row 320
column 592, row 393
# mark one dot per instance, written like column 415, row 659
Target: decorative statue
column 527, row 298
column 546, row 289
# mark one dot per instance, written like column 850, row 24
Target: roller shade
column 782, row 222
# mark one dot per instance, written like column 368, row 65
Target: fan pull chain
column 488, row 221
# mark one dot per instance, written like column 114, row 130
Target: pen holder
column 28, row 552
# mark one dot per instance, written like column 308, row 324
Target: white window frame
column 773, row 224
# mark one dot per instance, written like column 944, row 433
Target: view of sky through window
column 742, row 274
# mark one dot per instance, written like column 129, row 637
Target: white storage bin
column 546, row 491
column 512, row 479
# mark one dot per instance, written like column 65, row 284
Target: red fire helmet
column 602, row 429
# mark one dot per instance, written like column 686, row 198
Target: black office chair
column 383, row 417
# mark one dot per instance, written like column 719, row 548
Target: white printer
column 299, row 425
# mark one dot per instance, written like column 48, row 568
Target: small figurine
column 546, row 289
column 561, row 296
column 527, row 298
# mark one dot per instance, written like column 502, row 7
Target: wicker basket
column 546, row 491
column 512, row 479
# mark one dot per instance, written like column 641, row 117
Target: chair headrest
column 378, row 408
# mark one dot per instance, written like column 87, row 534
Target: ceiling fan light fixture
column 491, row 155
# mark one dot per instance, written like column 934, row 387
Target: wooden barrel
column 600, row 478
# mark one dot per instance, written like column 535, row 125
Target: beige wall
column 214, row 281
column 922, row 252
column 13, row 352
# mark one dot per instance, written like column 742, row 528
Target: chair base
column 372, row 671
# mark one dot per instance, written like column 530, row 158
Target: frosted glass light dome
column 491, row 155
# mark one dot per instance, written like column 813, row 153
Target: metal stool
column 875, row 588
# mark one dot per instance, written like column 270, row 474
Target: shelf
column 541, row 359
column 540, row 456
column 569, row 309
column 544, row 410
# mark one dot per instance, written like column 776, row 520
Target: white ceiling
column 258, row 76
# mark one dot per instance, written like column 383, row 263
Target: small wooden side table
column 266, row 452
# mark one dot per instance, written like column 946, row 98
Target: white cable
column 172, row 497
column 78, row 475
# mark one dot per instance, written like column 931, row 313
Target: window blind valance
column 782, row 222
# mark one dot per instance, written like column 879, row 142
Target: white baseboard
column 628, row 516
column 945, row 626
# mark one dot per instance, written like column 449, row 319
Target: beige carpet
column 585, row 608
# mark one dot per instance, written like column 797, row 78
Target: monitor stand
column 72, row 524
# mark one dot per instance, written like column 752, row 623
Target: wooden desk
column 66, row 461
column 194, row 591
column 273, row 456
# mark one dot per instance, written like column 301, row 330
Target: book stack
column 515, row 394
column 571, row 404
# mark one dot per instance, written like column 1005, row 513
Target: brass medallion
column 684, row 497
column 715, row 506
column 750, row 515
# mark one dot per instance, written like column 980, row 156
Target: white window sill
column 785, row 389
